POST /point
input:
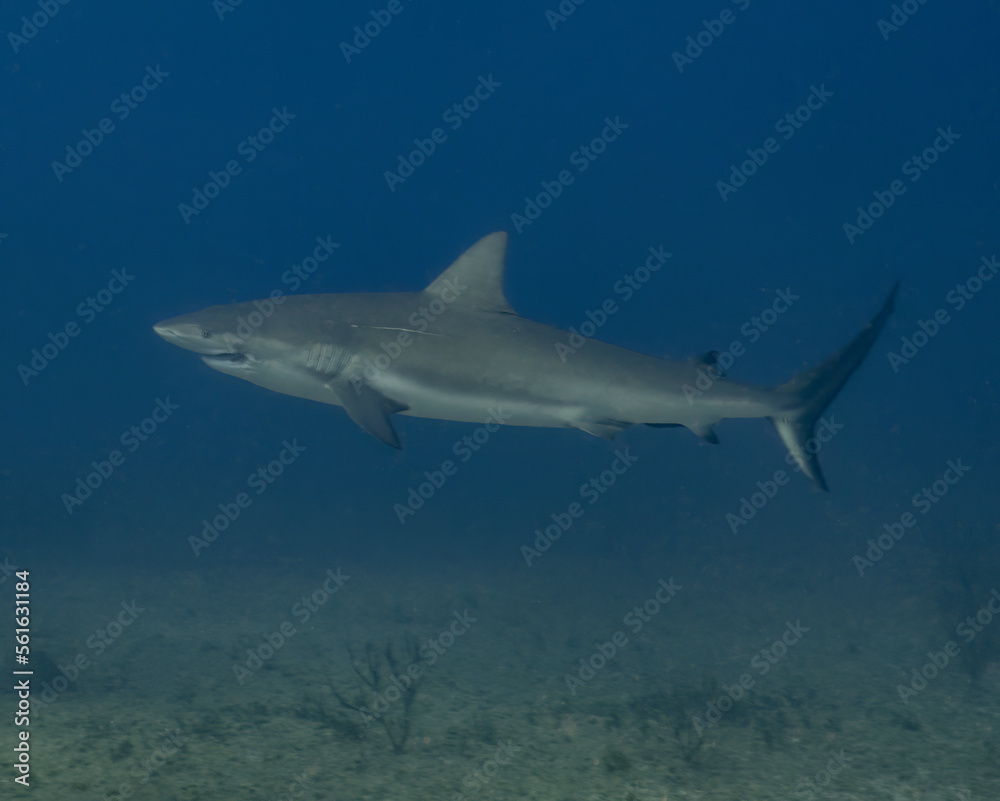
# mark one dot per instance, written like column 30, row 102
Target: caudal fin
column 812, row 391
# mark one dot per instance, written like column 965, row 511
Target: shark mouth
column 232, row 359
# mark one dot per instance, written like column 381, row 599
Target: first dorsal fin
column 475, row 280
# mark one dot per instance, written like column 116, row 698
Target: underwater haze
column 211, row 590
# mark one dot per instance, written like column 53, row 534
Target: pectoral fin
column 605, row 429
column 370, row 409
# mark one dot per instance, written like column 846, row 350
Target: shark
column 456, row 350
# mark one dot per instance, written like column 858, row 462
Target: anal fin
column 706, row 432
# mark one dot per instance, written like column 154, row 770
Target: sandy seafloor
column 626, row 734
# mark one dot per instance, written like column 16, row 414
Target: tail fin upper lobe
column 812, row 391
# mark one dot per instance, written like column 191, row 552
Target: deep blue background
column 656, row 185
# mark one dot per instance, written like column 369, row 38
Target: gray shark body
column 458, row 351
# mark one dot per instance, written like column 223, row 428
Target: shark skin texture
column 458, row 351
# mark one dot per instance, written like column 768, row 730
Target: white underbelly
column 516, row 410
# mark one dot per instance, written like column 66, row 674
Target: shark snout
column 220, row 352
column 174, row 335
column 190, row 336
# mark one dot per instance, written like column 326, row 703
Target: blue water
column 803, row 150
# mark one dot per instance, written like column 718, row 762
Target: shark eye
column 206, row 334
